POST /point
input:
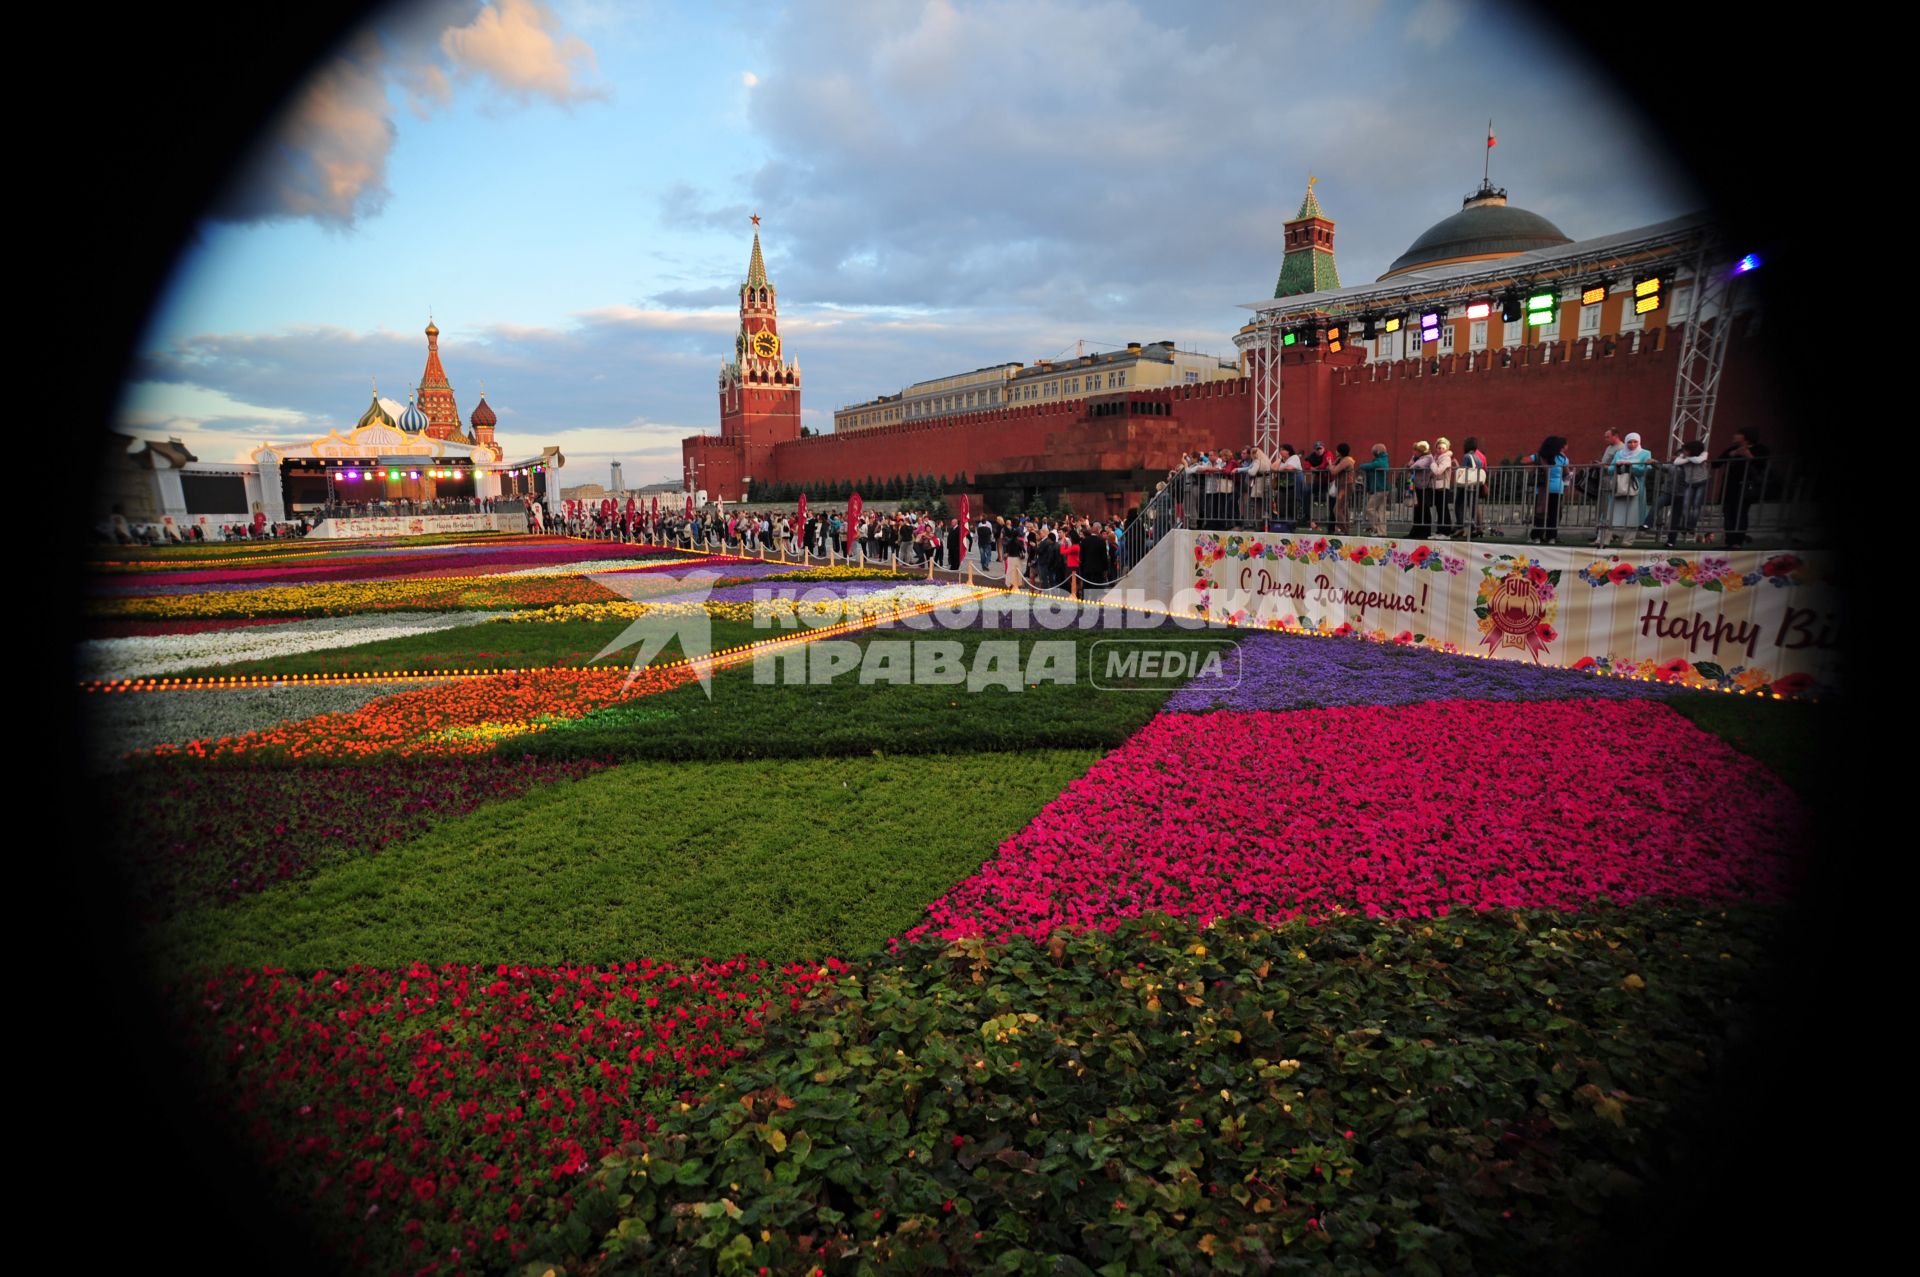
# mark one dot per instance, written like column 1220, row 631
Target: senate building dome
column 1486, row 227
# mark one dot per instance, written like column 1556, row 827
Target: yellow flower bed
column 342, row 598
column 778, row 611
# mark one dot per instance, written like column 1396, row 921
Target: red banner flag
column 803, row 509
column 853, row 514
column 966, row 519
column 689, row 505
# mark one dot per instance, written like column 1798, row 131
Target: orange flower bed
column 467, row 717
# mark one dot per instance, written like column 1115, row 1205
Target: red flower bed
column 1402, row 810
column 434, row 1119
column 104, row 629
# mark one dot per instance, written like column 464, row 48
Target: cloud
column 1090, row 160
column 1433, row 22
column 518, row 45
column 617, row 381
column 325, row 159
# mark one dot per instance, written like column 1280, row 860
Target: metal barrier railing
column 1731, row 503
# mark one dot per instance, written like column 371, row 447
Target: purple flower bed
column 204, row 836
column 1283, row 671
column 752, row 592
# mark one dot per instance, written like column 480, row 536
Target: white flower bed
column 157, row 655
column 581, row 568
column 120, row 723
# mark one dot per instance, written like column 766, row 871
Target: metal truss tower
column 1703, row 349
column 1264, row 363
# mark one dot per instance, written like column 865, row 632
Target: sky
column 565, row 187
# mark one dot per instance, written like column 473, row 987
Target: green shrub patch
column 1466, row 1094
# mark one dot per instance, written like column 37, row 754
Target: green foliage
column 782, row 860
column 1449, row 1096
column 747, row 718
column 495, row 645
column 1781, row 734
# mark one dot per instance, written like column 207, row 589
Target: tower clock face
column 766, row 345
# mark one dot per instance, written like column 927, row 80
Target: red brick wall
column 1545, row 390
column 1511, row 409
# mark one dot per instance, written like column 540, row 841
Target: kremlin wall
column 1104, row 452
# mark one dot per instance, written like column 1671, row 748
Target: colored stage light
column 1646, row 294
column 1290, row 337
column 1430, row 325
column 1393, row 323
column 1750, row 262
column 1313, row 334
column 1336, row 339
column 1542, row 308
column 1593, row 294
column 1510, row 307
column 1369, row 328
column 1479, row 310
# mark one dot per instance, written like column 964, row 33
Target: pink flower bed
column 1402, row 810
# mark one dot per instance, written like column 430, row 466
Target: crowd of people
column 1448, row 493
column 117, row 529
column 1634, row 493
column 1025, row 551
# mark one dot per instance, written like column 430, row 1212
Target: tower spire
column 1308, row 266
column 756, row 265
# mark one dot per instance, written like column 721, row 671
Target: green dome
column 1487, row 226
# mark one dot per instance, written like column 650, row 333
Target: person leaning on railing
column 1340, row 478
column 1420, row 475
column 1690, row 470
column 1469, row 484
column 1551, row 460
column 1378, row 469
column 1745, row 462
column 1443, row 486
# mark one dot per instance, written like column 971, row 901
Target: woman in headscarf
column 1626, row 480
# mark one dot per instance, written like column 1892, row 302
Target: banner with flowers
column 1753, row 620
column 414, row 525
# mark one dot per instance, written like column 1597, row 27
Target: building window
column 1677, row 307
column 1589, row 320
column 1629, row 321
column 1477, row 339
column 1192, row 377
column 1446, row 337
column 1123, row 379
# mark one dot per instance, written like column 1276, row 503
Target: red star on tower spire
column 756, row 221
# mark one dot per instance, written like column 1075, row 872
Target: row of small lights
column 353, row 476
column 269, row 680
column 1537, row 309
column 234, row 682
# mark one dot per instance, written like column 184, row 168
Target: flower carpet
column 1368, row 959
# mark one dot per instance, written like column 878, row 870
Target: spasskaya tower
column 759, row 395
